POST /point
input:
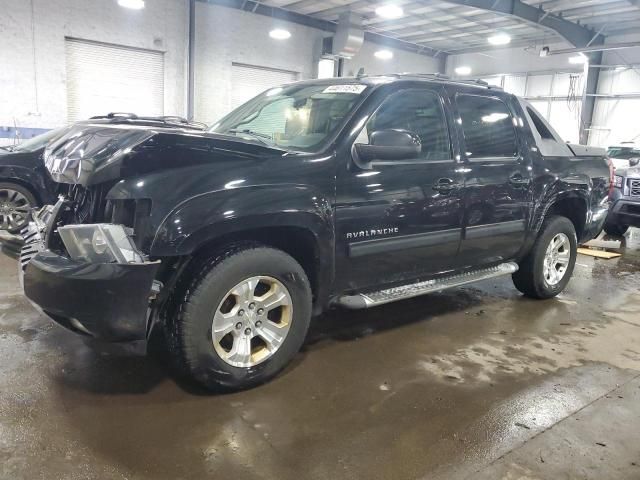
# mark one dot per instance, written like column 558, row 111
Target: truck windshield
column 294, row 117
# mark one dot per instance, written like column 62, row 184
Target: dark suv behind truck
column 625, row 200
column 350, row 192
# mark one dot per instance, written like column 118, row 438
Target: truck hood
column 89, row 154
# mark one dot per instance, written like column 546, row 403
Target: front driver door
column 401, row 220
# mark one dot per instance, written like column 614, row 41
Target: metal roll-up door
column 247, row 81
column 103, row 78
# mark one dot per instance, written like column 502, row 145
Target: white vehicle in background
column 622, row 154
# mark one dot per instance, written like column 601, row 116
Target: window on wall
column 611, row 120
column 420, row 112
column 488, row 127
column 557, row 96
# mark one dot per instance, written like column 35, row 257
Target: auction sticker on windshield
column 344, row 89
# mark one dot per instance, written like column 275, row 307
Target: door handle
column 517, row 180
column 445, row 185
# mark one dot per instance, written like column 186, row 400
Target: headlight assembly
column 617, row 181
column 100, row 243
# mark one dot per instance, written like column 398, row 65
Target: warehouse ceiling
column 455, row 28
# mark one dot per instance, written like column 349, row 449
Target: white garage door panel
column 247, row 81
column 109, row 78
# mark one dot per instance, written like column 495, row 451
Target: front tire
column 611, row 227
column 547, row 269
column 243, row 317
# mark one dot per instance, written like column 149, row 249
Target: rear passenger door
column 497, row 187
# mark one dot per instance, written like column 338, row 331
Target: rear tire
column 16, row 203
column 611, row 227
column 547, row 269
column 203, row 335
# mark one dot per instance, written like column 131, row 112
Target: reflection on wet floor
column 475, row 379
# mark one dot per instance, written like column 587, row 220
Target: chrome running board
column 373, row 299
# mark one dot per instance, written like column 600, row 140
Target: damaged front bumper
column 109, row 301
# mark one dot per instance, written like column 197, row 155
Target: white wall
column 162, row 25
column 223, row 36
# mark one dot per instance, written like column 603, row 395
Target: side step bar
column 373, row 299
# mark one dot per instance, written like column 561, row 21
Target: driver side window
column 418, row 111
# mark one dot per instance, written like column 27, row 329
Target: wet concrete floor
column 476, row 382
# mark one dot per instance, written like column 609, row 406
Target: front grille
column 86, row 205
column 634, row 188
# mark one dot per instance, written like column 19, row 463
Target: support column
column 589, row 102
column 191, row 59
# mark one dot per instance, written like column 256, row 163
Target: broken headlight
column 100, row 243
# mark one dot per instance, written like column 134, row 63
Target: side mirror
column 389, row 145
column 633, row 162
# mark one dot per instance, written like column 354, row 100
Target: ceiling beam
column 577, row 35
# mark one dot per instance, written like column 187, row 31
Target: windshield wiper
column 259, row 136
column 7, row 148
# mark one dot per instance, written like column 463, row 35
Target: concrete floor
column 476, row 382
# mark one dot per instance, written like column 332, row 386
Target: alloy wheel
column 556, row 259
column 14, row 209
column 252, row 321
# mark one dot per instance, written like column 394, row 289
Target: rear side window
column 542, row 129
column 488, row 127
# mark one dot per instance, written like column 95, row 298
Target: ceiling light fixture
column 389, row 11
column 384, row 54
column 578, row 59
column 463, row 70
column 280, row 34
column 499, row 39
column 133, row 4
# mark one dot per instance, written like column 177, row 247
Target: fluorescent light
column 463, row 70
column 389, row 11
column 133, row 4
column 280, row 34
column 384, row 54
column 578, row 59
column 499, row 39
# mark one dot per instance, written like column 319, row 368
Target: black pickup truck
column 349, row 192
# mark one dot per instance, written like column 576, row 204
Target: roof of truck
column 393, row 77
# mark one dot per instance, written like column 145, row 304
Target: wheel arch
column 572, row 204
column 213, row 221
column 24, row 184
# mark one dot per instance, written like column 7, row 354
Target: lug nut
column 252, row 306
column 247, row 331
column 260, row 311
column 240, row 313
column 239, row 325
column 258, row 324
